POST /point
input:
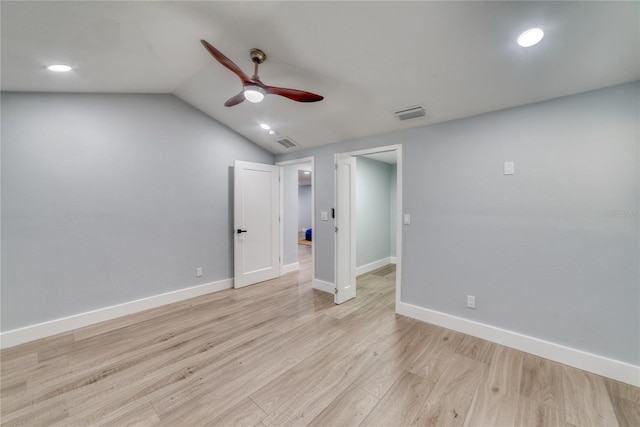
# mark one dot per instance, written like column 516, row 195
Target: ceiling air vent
column 287, row 143
column 410, row 113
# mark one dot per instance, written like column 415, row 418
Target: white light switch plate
column 324, row 216
column 406, row 220
column 509, row 168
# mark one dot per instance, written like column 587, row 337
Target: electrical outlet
column 199, row 272
column 471, row 301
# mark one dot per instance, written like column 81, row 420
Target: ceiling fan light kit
column 253, row 90
column 253, row 93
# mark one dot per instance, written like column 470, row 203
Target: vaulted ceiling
column 367, row 59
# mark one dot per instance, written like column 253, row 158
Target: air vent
column 410, row 113
column 287, row 143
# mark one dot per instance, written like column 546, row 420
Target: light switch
column 324, row 216
column 509, row 168
column 406, row 220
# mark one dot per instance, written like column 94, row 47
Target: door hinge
column 336, row 229
column 335, row 291
column 336, row 165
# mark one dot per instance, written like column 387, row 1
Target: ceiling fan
column 253, row 90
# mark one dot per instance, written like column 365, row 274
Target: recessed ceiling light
column 530, row 37
column 272, row 132
column 59, row 68
column 265, row 126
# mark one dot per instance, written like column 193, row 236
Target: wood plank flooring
column 281, row 353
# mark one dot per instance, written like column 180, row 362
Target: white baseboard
column 599, row 365
column 66, row 324
column 288, row 268
column 372, row 266
column 392, row 260
column 321, row 285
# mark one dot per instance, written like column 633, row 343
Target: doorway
column 297, row 251
column 368, row 216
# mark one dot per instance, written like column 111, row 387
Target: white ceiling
column 458, row 59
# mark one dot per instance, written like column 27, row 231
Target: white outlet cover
column 471, row 301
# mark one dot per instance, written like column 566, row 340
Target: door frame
column 313, row 209
column 398, row 149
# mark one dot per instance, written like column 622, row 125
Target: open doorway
column 297, row 222
column 368, row 217
column 375, row 211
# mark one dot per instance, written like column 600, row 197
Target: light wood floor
column 280, row 353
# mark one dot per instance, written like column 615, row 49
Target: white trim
column 599, row 365
column 309, row 159
column 321, row 285
column 399, row 224
column 66, row 324
column 372, row 266
column 392, row 260
column 280, row 215
column 288, row 268
column 371, row 150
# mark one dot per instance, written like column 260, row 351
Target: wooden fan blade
column 294, row 94
column 235, row 100
column 225, row 61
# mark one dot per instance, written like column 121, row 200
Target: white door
column 345, row 236
column 256, row 223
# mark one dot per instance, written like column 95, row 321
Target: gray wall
column 552, row 251
column 111, row 198
column 290, row 214
column 373, row 194
column 304, row 207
